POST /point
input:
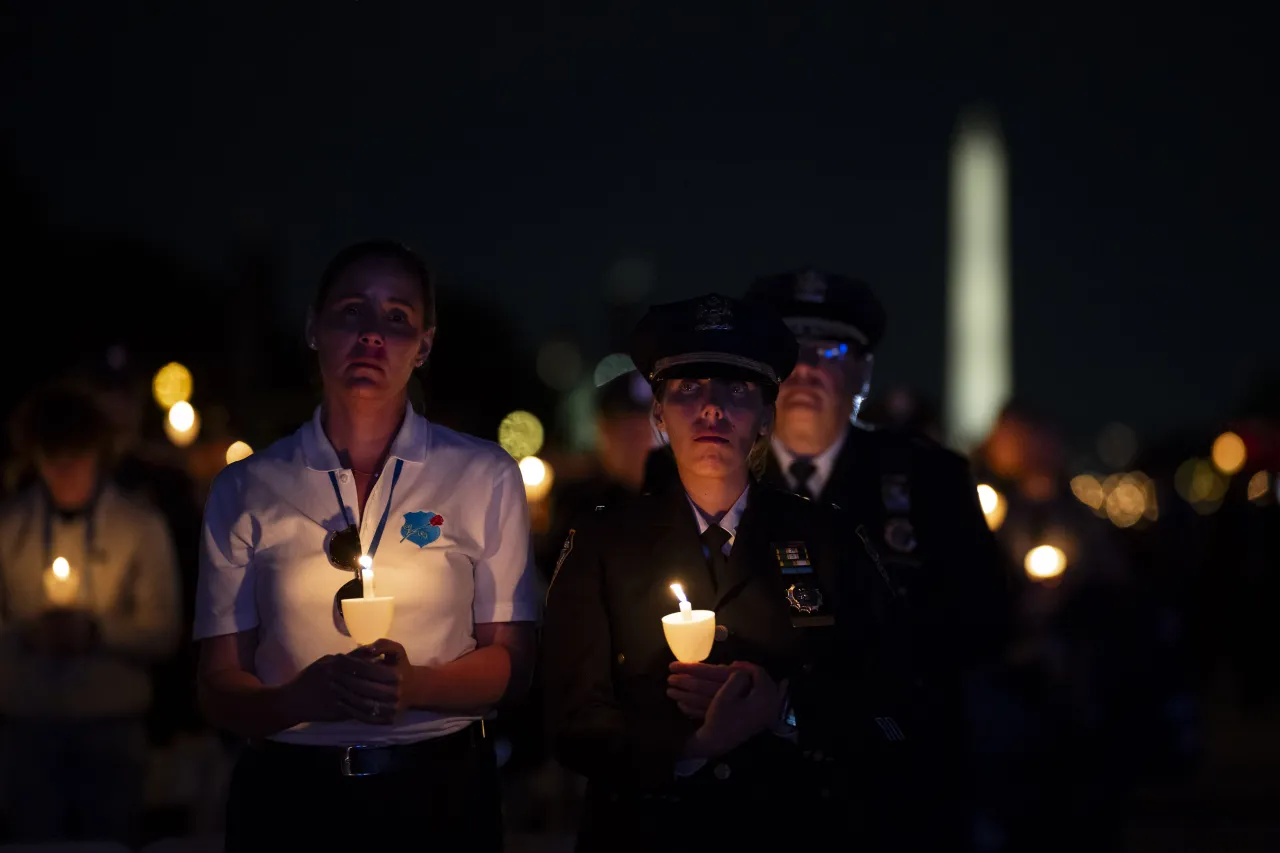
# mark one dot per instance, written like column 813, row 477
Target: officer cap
column 713, row 337
column 827, row 306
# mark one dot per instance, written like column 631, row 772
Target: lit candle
column 366, row 575
column 369, row 617
column 690, row 633
column 61, row 584
column 686, row 609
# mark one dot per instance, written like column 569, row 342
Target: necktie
column 714, row 539
column 801, row 470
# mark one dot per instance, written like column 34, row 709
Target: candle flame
column 61, row 568
column 679, row 591
column 366, row 562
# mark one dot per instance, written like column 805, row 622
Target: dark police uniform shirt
column 606, row 666
column 919, row 502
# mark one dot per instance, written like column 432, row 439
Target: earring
column 312, row 343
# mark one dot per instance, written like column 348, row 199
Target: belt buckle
column 346, row 763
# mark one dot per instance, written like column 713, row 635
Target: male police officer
column 916, row 500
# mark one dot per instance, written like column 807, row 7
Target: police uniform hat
column 827, row 306
column 713, row 337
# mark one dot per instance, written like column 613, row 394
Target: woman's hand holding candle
column 374, row 686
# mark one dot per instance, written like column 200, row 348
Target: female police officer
column 765, row 739
column 353, row 745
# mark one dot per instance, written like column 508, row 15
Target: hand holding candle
column 369, row 617
column 690, row 633
column 61, row 584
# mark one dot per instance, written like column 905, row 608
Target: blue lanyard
column 382, row 524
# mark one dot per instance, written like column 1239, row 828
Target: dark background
column 531, row 148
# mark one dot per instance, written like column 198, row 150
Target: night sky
column 529, row 153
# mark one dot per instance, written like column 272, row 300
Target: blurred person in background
column 918, row 501
column 78, row 639
column 148, row 465
column 345, row 742
column 1087, row 703
column 903, row 408
column 624, row 438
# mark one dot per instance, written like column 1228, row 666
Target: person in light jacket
column 89, row 601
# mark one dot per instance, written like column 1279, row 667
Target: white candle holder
column 690, row 634
column 368, row 619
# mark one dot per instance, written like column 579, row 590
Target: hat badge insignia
column 714, row 314
column 810, row 287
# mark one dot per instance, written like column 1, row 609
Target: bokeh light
column 1045, row 562
column 182, row 416
column 237, row 451
column 521, row 434
column 611, row 367
column 537, row 476
column 994, row 505
column 1198, row 482
column 172, row 385
column 1126, row 502
column 1088, row 491
column 1229, row 453
column 182, row 424
column 1259, row 486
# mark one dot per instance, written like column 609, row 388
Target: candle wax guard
column 690, row 634
column 368, row 619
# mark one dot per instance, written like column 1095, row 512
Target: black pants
column 442, row 795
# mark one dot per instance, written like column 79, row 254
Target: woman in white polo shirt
column 352, row 744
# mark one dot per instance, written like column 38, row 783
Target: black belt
column 374, row 760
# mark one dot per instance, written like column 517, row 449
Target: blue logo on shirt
column 421, row 528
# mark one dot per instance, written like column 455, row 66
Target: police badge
column 805, row 599
column 900, row 535
column 714, row 315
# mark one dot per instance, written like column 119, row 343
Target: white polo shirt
column 263, row 562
